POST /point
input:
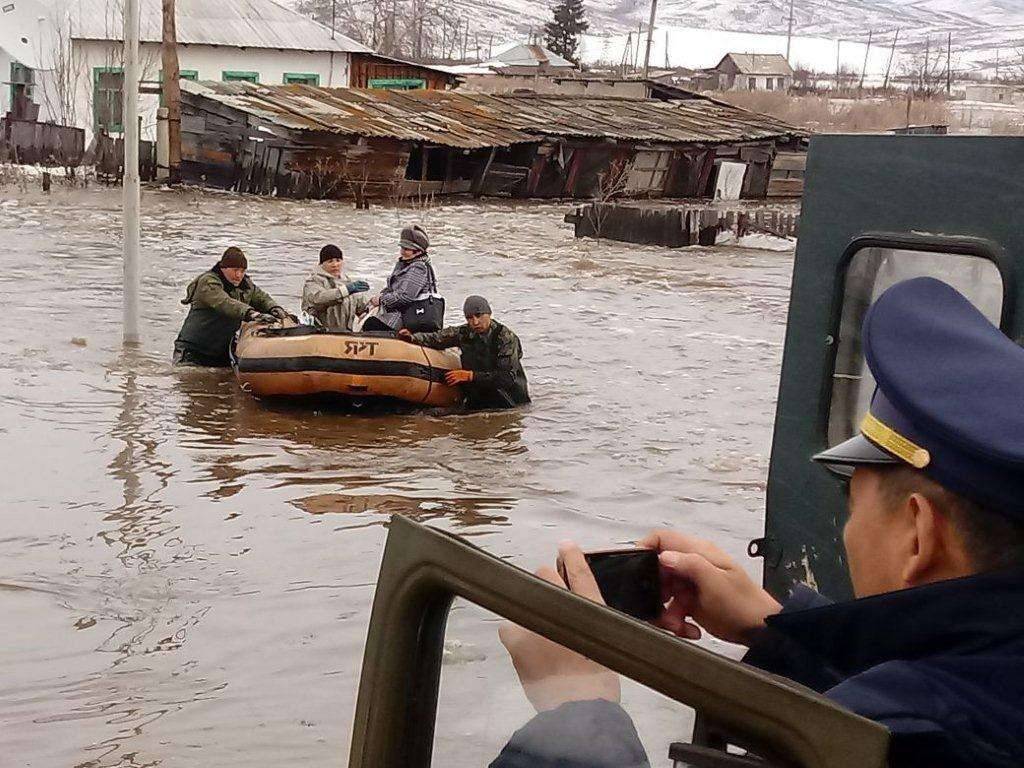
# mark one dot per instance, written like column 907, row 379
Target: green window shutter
column 189, row 74
column 108, row 99
column 231, row 76
column 22, row 76
column 398, row 83
column 301, row 78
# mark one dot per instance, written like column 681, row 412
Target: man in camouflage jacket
column 218, row 301
column 491, row 375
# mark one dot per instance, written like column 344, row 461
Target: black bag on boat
column 426, row 313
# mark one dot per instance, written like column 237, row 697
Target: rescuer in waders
column 492, row 375
column 933, row 646
column 218, row 301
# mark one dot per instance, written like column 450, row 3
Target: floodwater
column 186, row 574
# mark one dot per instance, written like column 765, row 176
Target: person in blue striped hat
column 933, row 645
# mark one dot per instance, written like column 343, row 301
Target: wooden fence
column 26, row 142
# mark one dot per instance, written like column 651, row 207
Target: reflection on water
column 186, row 573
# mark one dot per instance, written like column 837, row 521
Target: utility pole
column 394, row 28
column 864, row 69
column 949, row 63
column 132, row 195
column 789, row 32
column 892, row 52
column 627, row 52
column 172, row 91
column 650, row 36
column 667, row 65
column 839, row 42
column 636, row 51
column 926, row 76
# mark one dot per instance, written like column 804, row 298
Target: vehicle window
column 870, row 272
column 481, row 702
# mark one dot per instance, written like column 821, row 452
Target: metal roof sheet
column 530, row 55
column 475, row 120
column 236, row 23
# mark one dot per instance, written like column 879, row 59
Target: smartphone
column 628, row 579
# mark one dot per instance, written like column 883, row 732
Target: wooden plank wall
column 787, row 179
column 227, row 148
column 366, row 67
column 30, row 143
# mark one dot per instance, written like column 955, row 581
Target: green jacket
column 494, row 358
column 216, row 310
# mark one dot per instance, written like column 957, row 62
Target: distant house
column 994, row 93
column 750, row 72
column 255, row 41
column 523, row 59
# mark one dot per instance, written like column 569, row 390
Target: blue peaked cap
column 949, row 397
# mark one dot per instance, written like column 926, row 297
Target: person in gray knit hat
column 492, row 373
column 411, row 280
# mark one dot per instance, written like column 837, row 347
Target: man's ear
column 937, row 551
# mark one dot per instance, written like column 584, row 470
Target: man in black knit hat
column 218, row 301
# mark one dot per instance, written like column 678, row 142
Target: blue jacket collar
column 966, row 616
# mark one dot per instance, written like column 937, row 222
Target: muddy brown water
column 186, row 574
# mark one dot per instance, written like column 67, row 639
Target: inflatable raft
column 301, row 361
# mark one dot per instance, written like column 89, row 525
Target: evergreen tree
column 562, row 34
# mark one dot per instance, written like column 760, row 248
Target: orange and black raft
column 302, row 361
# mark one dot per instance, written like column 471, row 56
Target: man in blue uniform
column 933, row 646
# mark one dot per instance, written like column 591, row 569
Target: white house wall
column 5, row 75
column 210, row 62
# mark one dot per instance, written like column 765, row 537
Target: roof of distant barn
column 476, row 120
column 759, row 64
column 261, row 24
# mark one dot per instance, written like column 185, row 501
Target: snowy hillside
column 978, row 27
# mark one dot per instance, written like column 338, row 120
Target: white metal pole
column 132, row 203
column 789, row 31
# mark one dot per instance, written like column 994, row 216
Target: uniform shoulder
column 505, row 333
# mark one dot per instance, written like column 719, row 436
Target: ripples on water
column 186, row 574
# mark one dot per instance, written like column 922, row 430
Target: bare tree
column 927, row 67
column 60, row 90
column 611, row 183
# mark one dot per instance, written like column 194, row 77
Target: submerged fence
column 26, row 142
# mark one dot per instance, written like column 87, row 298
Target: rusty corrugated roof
column 475, row 120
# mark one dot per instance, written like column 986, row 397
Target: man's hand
column 405, row 335
column 552, row 675
column 375, row 301
column 705, row 586
column 453, row 378
column 253, row 316
column 279, row 313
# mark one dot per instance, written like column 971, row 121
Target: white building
column 253, row 40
